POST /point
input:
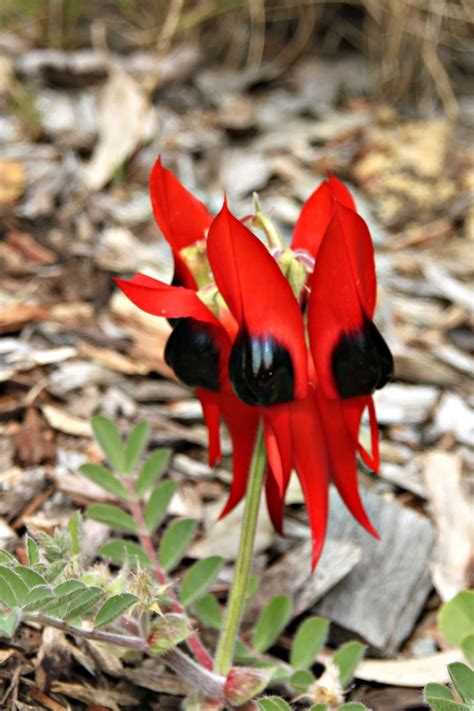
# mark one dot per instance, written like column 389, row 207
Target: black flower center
column 361, row 362
column 192, row 353
column 260, row 370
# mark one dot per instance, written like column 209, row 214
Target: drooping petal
column 317, row 213
column 350, row 355
column 311, row 463
column 161, row 299
column 352, row 410
column 278, row 445
column 342, row 446
column 268, row 359
column 275, row 502
column 242, row 423
column 212, row 417
column 181, row 217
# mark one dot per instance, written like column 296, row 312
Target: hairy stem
column 193, row 642
column 237, row 599
column 209, row 683
column 131, row 642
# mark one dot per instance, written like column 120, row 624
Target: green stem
column 238, row 593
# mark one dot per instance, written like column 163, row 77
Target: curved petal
column 275, row 503
column 271, row 342
column 212, row 417
column 342, row 446
column 182, row 218
column 311, row 463
column 161, row 299
column 278, row 445
column 242, row 423
column 352, row 410
column 341, row 302
column 317, row 212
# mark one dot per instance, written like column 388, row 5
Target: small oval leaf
column 113, row 608
column 467, row 646
column 152, row 470
column 208, row 611
column 112, row 516
column 32, row 551
column 10, row 578
column 175, row 540
column 347, row 659
column 308, row 642
column 273, row 703
column 30, row 577
column 103, row 477
column 121, row 552
column 85, row 601
column 199, row 577
column 456, row 618
column 135, row 446
column 463, row 680
column 271, row 622
column 110, row 441
column 158, row 503
column 301, row 679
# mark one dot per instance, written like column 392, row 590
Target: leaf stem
column 129, row 641
column 237, row 599
column 193, row 641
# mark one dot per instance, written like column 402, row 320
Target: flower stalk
column 237, row 599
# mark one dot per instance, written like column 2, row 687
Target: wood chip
column 409, row 672
column 61, row 420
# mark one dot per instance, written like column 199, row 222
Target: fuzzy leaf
column 113, row 608
column 135, row 446
column 152, row 470
column 456, row 618
column 155, row 507
column 7, row 558
column 30, row 577
column 9, row 623
column 7, row 595
column 273, row 703
column 103, row 477
column 199, row 577
column 463, row 679
column 467, row 647
column 347, row 658
column 318, row 707
column 208, row 611
column 271, row 622
column 85, row 601
column 308, row 642
column 110, row 441
column 37, row 598
column 63, row 595
column 352, row 706
column 32, row 551
column 54, row 570
column 14, row 581
column 74, row 528
column 112, row 516
column 301, row 679
column 167, row 632
column 175, row 540
column 437, row 704
column 437, row 691
column 121, row 552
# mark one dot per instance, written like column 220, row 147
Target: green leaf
column 463, row 679
column 467, row 646
column 208, row 611
column 437, row 691
column 113, row 608
column 136, row 445
column 103, row 477
column 155, row 507
column 7, row 558
column 54, row 570
column 74, row 528
column 347, row 659
column 84, row 602
column 152, row 470
column 7, row 596
column 252, row 587
column 445, row 705
column 271, row 621
column 110, row 441
column 175, row 540
column 112, row 516
column 9, row 623
column 243, row 653
column 37, row 598
column 167, row 632
column 352, row 706
column 318, row 707
column 30, row 577
column 199, row 577
column 63, row 595
column 308, row 642
column 121, row 552
column 32, row 551
column 273, row 703
column 301, row 679
column 456, row 618
column 14, row 581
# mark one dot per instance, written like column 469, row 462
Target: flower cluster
column 282, row 335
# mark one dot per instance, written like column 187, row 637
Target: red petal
column 342, row 289
column 212, row 417
column 341, row 447
column 161, row 299
column 316, row 214
column 242, row 423
column 275, row 504
column 311, row 464
column 254, row 288
column 181, row 217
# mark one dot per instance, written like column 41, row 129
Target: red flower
column 241, row 318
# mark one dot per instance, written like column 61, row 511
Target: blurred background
column 242, row 96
